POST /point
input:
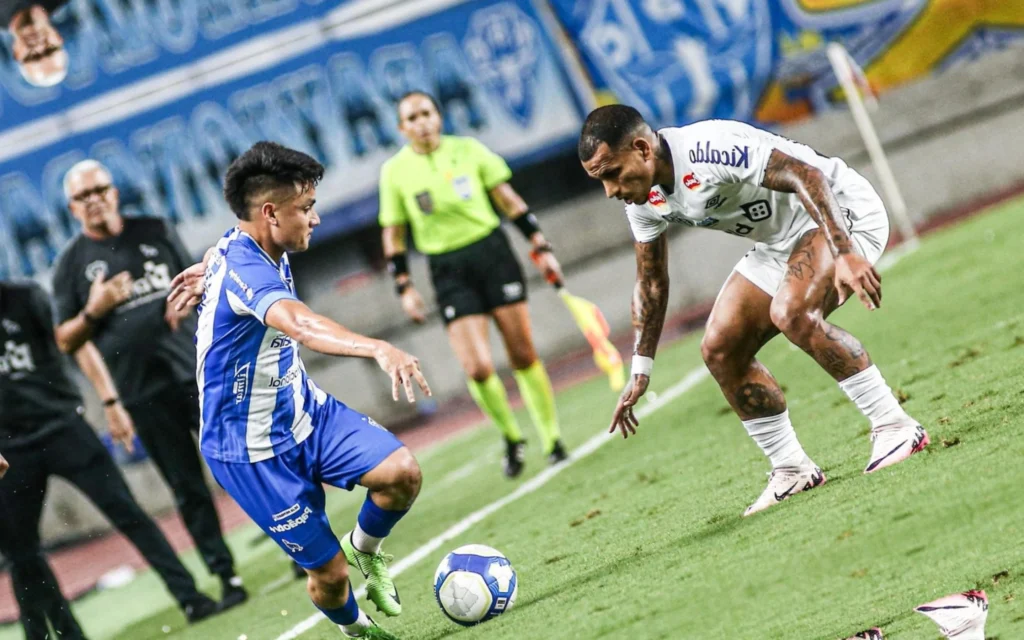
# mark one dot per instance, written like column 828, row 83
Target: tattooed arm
column 650, row 301
column 853, row 272
column 650, row 295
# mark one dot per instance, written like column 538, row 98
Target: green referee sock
column 535, row 387
column 490, row 396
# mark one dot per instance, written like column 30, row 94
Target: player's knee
column 408, row 477
column 522, row 357
column 794, row 321
column 717, row 349
column 479, row 371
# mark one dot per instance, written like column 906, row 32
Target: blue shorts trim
column 284, row 495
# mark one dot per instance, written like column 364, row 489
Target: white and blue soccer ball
column 475, row 583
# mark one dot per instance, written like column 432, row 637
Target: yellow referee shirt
column 442, row 195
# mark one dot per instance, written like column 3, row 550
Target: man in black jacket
column 42, row 433
column 111, row 284
column 37, row 48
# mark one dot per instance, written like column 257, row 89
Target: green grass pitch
column 644, row 538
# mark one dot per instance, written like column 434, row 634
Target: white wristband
column 642, row 365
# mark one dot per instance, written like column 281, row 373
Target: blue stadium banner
column 765, row 60
column 675, row 60
column 321, row 77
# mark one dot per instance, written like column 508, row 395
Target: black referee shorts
column 477, row 278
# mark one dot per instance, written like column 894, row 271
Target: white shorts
column 765, row 265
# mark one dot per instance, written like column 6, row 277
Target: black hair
column 267, row 166
column 614, row 124
column 416, row 92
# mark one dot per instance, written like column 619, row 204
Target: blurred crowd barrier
column 168, row 112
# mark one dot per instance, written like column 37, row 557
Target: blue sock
column 346, row 615
column 377, row 522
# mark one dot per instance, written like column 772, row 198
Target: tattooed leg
column 737, row 329
column 804, row 301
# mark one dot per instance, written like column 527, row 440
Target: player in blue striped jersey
column 271, row 436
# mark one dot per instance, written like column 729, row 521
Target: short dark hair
column 415, row 92
column 613, row 124
column 267, row 166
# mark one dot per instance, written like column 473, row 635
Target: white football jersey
column 719, row 166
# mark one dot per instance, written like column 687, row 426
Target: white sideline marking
column 689, row 381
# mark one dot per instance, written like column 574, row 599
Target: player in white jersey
column 271, row 437
column 818, row 228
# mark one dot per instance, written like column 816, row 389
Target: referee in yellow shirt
column 443, row 187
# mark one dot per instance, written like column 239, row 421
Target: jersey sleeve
column 646, row 226
column 68, row 305
column 729, row 154
column 492, row 167
column 392, row 209
column 253, row 286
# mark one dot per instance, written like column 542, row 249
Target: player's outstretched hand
column 403, row 368
column 187, row 287
column 413, row 305
column 855, row 274
column 624, row 419
column 4, row 466
column 121, row 427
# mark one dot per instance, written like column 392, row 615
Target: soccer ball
column 475, row 583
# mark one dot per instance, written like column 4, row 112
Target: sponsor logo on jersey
column 757, row 210
column 291, row 546
column 281, row 342
column 463, row 187
column 292, row 523
column 149, row 250
column 17, row 358
column 240, row 387
column 715, row 202
column 425, row 202
column 96, row 269
column 237, row 279
column 11, row 326
column 153, row 285
column 681, row 219
column 654, row 198
column 736, row 157
column 512, row 290
column 374, row 423
column 290, row 511
column 690, row 181
column 286, row 379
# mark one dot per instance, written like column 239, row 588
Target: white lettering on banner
column 292, row 523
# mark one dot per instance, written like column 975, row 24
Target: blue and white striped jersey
column 255, row 398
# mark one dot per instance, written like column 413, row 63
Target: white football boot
column 784, row 482
column 893, row 444
column 960, row 615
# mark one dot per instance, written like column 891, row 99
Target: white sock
column 357, row 628
column 365, row 542
column 777, row 439
column 874, row 398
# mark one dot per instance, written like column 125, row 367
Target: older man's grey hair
column 82, row 167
